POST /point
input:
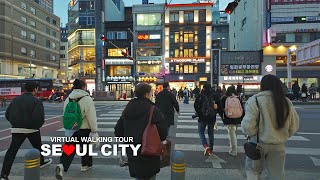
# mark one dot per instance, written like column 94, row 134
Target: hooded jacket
column 87, row 107
column 132, row 123
column 268, row 132
column 199, row 103
column 166, row 102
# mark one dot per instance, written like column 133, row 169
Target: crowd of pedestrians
column 267, row 118
column 304, row 92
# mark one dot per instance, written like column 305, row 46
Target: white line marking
column 99, row 130
column 106, row 123
column 108, row 118
column 1, row 116
column 225, row 149
column 113, row 115
column 225, row 136
column 306, row 133
column 196, row 127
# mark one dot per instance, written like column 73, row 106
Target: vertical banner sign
column 215, row 70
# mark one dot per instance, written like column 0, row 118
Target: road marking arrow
column 216, row 161
column 315, row 161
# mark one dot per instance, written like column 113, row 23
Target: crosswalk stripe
column 108, row 118
column 190, row 117
column 99, row 130
column 196, row 127
column 111, row 115
column 225, row 149
column 194, row 121
column 106, row 123
column 225, row 136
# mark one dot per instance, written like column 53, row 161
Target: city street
column 302, row 161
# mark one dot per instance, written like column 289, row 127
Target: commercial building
column 148, row 25
column 29, row 40
column 220, row 32
column 187, row 44
column 118, row 68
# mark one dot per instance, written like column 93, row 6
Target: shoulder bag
column 252, row 149
column 151, row 143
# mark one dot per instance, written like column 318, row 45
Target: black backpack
column 207, row 106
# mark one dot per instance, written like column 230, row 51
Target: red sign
column 143, row 37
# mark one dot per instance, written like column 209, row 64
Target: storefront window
column 120, row 71
column 176, row 53
column 176, row 37
column 115, row 52
column 186, row 69
column 149, row 19
column 188, row 53
column 149, row 68
column 149, row 51
column 188, row 37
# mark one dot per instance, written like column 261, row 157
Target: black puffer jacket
column 132, row 123
column 25, row 111
column 166, row 102
column 199, row 103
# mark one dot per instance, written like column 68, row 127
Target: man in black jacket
column 26, row 116
column 166, row 102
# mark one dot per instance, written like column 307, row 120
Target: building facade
column 63, row 68
column 46, row 4
column 187, row 44
column 292, row 25
column 118, row 68
column 148, row 25
column 30, row 40
column 220, row 33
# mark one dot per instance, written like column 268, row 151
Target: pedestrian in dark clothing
column 174, row 91
column 180, row 94
column 231, row 123
column 304, row 92
column 296, row 90
column 224, row 90
column 239, row 89
column 26, row 116
column 312, row 91
column 167, row 104
column 219, row 92
column 207, row 119
column 132, row 123
column 196, row 91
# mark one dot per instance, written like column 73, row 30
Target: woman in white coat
column 278, row 121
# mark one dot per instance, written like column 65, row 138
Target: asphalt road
column 302, row 161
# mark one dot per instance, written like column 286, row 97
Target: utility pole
column 99, row 29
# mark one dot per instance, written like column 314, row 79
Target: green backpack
column 72, row 116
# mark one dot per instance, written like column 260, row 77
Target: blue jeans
column 201, row 130
column 186, row 100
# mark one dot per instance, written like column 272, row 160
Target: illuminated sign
column 143, row 37
column 194, row 60
column 307, row 30
column 149, row 62
column 154, row 36
column 269, row 68
column 119, row 78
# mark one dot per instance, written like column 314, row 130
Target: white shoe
column 47, row 162
column 85, row 168
column 232, row 153
column 59, row 171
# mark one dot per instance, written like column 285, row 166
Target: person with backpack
column 270, row 120
column 79, row 120
column 26, row 116
column 132, row 123
column 206, row 106
column 186, row 96
column 231, row 113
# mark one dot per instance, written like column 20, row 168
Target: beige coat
column 87, row 107
column 268, row 132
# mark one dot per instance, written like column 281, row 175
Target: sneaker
column 232, row 154
column 46, row 163
column 4, row 178
column 59, row 170
column 85, row 168
column 210, row 151
column 206, row 150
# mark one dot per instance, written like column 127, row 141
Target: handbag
column 252, row 149
column 151, row 143
column 303, row 95
column 165, row 153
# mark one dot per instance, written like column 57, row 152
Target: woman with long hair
column 278, row 121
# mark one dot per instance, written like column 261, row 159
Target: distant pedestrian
column 224, row 90
column 296, row 90
column 219, row 92
column 191, row 93
column 304, row 92
column 174, row 91
column 196, row 92
column 85, row 127
column 312, row 91
column 231, row 113
column 186, row 96
column 318, row 89
column 206, row 110
column 132, row 123
column 26, row 116
column 273, row 117
column 180, row 94
column 167, row 104
column 239, row 89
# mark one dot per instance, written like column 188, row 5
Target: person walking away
column 239, row 90
column 304, row 92
column 278, row 121
column 312, row 91
column 79, row 121
column 174, row 91
column 296, row 90
column 26, row 116
column 219, row 92
column 318, row 89
column 205, row 108
column 180, row 93
column 167, row 104
column 132, row 123
column 191, row 93
column 224, row 90
column 231, row 113
column 196, row 92
column 186, row 95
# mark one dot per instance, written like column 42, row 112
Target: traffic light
column 103, row 38
column 231, row 6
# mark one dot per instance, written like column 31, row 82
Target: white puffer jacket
column 268, row 132
column 87, row 107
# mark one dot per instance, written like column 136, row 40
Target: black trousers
column 86, row 160
column 16, row 142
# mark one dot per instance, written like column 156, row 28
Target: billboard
column 235, row 63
